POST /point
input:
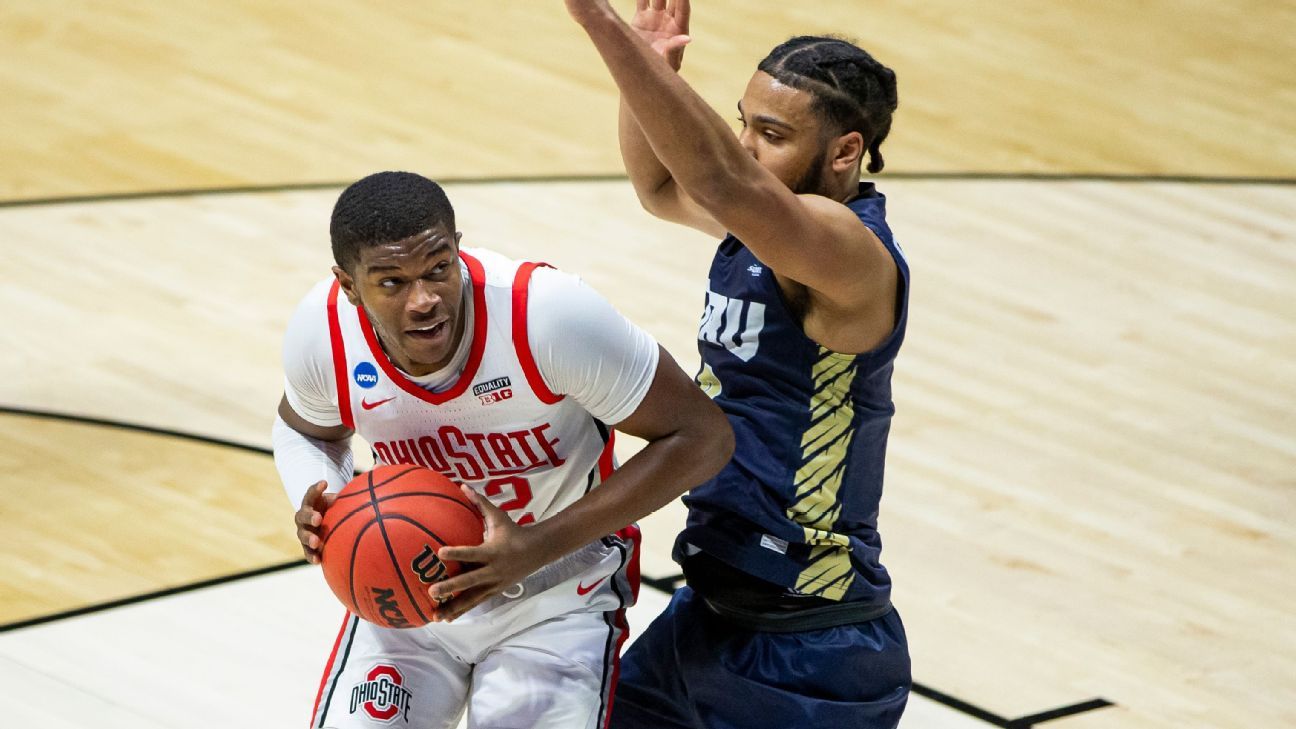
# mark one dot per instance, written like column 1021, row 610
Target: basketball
column 381, row 537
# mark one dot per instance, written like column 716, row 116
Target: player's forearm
column 654, row 477
column 302, row 460
column 685, row 135
column 646, row 172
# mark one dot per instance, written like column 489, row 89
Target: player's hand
column 506, row 555
column 665, row 25
column 309, row 517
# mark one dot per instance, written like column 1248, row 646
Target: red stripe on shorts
column 328, row 667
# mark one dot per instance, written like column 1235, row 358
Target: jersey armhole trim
column 339, row 358
column 606, row 457
column 521, row 292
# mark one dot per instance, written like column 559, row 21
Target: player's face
column 412, row 291
column 782, row 132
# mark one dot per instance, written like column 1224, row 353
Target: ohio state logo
column 382, row 695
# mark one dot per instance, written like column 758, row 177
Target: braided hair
column 851, row 89
column 383, row 208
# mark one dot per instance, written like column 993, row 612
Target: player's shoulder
column 498, row 270
column 307, row 331
column 502, row 271
column 317, row 296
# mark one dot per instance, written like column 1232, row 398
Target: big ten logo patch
column 365, row 375
column 734, row 324
column 382, row 695
column 428, row 566
column 388, row 609
column 497, row 390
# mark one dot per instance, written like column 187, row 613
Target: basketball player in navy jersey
column 786, row 618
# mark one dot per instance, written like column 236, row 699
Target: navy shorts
column 692, row 670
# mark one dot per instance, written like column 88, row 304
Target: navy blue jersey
column 798, row 504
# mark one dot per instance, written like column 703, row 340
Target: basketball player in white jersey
column 507, row 378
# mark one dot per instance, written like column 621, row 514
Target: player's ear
column 348, row 285
column 846, row 151
column 458, row 237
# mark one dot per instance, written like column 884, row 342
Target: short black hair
column 851, row 90
column 386, row 207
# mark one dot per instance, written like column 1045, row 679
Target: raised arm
column 665, row 29
column 811, row 240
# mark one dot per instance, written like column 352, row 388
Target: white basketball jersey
column 498, row 428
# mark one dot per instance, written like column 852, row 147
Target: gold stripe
column 828, row 575
column 708, row 381
column 824, row 446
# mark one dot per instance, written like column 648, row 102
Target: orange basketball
column 381, row 537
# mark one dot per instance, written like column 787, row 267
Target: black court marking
column 288, row 187
column 665, row 585
column 145, row 597
column 989, row 717
column 549, row 179
column 1040, row 718
column 103, row 422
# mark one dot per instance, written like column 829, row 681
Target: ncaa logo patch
column 382, row 695
column 365, row 375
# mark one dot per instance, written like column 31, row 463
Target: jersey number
column 512, row 495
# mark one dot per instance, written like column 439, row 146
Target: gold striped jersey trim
column 818, row 480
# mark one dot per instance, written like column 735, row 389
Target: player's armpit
column 675, row 405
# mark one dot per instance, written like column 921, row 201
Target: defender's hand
column 309, row 517
column 508, row 554
column 665, row 25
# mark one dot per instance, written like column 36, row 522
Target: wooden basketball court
column 1090, row 493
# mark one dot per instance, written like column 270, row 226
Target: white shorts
column 545, row 658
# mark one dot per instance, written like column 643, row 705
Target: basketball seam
column 400, row 574
column 373, row 485
column 351, row 571
column 358, row 509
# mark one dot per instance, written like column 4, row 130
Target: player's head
column 815, row 107
column 397, row 254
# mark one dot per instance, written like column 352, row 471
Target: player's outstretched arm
column 689, row 440
column 665, row 27
column 813, row 241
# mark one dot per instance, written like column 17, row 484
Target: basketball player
column 786, row 618
column 506, row 377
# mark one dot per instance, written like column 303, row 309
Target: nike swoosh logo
column 371, row 405
column 583, row 590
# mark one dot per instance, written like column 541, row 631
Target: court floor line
column 664, row 585
column 147, row 596
column 546, row 179
column 1058, row 713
